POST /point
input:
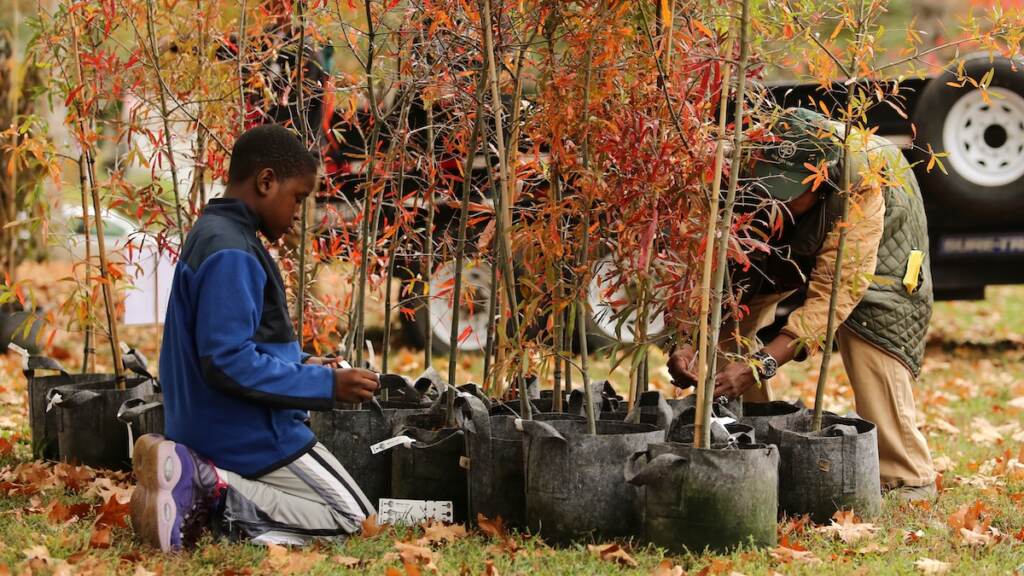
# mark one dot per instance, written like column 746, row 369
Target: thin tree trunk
column 724, row 226
column 89, row 351
column 582, row 309
column 460, row 248
column 241, row 69
column 700, row 432
column 165, row 118
column 428, row 240
column 505, row 215
column 369, row 198
column 830, row 331
column 304, row 217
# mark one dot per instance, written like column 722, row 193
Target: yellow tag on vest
column 912, row 279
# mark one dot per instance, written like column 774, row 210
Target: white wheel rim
column 476, row 293
column 985, row 140
column 604, row 311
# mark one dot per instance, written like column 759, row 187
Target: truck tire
column 603, row 327
column 984, row 141
column 477, row 277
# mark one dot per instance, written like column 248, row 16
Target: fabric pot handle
column 133, row 408
column 540, row 430
column 418, row 445
column 73, row 400
column 475, row 415
column 33, row 363
column 655, row 470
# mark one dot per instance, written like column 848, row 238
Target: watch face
column 769, row 365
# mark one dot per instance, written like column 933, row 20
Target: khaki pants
column 882, row 389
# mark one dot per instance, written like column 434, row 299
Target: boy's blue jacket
column 235, row 390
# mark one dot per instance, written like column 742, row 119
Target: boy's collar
column 234, row 209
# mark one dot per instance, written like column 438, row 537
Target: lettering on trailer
column 978, row 244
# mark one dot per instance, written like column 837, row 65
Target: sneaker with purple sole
column 171, row 501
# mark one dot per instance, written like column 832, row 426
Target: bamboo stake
column 107, row 285
column 703, row 350
column 88, row 349
column 83, row 179
column 723, row 225
column 505, row 215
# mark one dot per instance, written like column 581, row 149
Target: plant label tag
column 390, row 443
column 413, row 512
column 723, row 421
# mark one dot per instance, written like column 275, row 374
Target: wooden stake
column 724, row 225
column 703, row 345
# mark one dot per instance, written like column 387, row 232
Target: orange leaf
column 113, row 514
column 370, row 527
column 100, row 537
column 493, row 528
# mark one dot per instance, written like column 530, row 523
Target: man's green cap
column 799, row 137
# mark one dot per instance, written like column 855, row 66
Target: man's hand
column 355, row 385
column 682, row 365
column 734, row 380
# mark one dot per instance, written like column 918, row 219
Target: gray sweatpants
column 313, row 497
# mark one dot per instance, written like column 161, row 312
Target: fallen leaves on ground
column 793, row 552
column 847, row 527
column 666, row 568
column 100, row 537
column 612, row 553
column 282, row 560
column 929, row 566
column 436, row 533
column 972, row 525
column 370, row 527
column 113, row 514
column 413, row 555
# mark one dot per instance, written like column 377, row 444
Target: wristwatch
column 768, row 365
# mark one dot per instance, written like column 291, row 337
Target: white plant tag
column 413, row 512
column 390, row 443
column 724, row 421
column 57, row 399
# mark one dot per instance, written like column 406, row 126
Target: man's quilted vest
column 889, row 316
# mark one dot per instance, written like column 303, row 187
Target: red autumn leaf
column 6, row 447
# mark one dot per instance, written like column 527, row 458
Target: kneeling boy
column 236, row 389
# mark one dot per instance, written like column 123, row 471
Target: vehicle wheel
column 603, row 327
column 984, row 141
column 476, row 282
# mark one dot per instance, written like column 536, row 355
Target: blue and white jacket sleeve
column 229, row 301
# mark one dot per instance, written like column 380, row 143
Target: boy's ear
column 265, row 180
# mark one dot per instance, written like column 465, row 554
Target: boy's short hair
column 270, row 146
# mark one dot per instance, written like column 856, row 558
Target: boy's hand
column 330, row 362
column 355, row 385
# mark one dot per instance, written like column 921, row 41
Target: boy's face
column 280, row 200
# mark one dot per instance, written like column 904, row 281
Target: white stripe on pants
column 312, row 497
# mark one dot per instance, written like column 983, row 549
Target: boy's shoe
column 171, row 502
